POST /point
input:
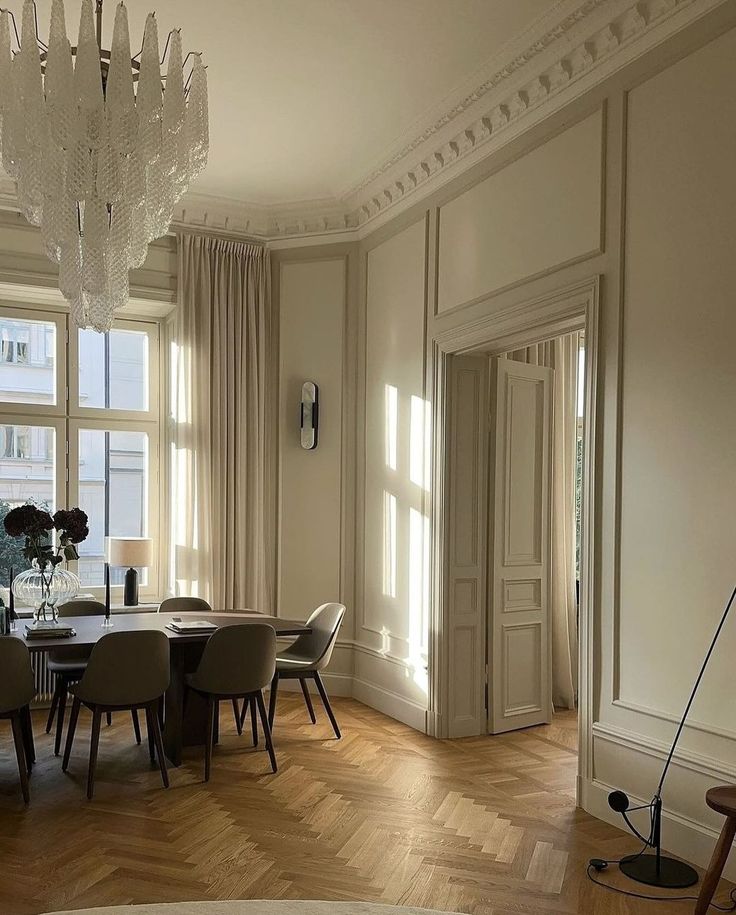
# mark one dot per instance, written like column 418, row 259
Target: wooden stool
column 722, row 800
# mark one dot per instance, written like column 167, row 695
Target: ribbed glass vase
column 44, row 590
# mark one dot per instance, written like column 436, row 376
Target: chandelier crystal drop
column 101, row 145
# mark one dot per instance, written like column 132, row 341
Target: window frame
column 44, row 316
column 67, row 418
column 152, row 328
column 46, row 421
column 151, row 590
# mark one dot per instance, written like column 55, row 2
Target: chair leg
column 54, row 704
column 20, row 754
column 209, row 736
column 136, row 725
column 63, row 692
column 715, row 868
column 155, row 726
column 71, row 730
column 272, row 699
column 253, row 718
column 94, row 744
column 236, row 715
column 266, row 729
column 151, row 739
column 326, row 703
column 307, row 699
column 108, row 718
column 160, row 711
column 216, row 738
column 28, row 742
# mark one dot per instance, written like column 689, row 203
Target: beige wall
column 657, row 133
column 311, row 313
column 678, row 436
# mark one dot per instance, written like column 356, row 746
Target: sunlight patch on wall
column 391, row 434
column 389, row 544
column 420, row 438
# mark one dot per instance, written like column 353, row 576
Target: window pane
column 113, row 490
column 27, row 361
column 27, row 474
column 113, row 369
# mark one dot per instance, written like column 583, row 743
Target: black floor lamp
column 657, row 869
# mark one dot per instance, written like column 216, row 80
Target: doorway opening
column 497, row 662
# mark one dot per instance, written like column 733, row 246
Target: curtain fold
column 561, row 354
column 221, row 446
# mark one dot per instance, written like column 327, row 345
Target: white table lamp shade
column 129, row 552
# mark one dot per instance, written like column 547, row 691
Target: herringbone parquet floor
column 483, row 825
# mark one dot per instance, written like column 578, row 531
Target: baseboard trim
column 684, row 759
column 391, row 704
column 684, row 837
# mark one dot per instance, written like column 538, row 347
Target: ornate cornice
column 591, row 40
column 536, row 83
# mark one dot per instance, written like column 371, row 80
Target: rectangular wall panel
column 678, row 487
column 311, row 349
column 396, row 524
column 540, row 211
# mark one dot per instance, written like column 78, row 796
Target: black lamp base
column 130, row 594
column 671, row 873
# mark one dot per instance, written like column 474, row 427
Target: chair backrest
column 317, row 646
column 237, row 660
column 126, row 668
column 175, row 604
column 81, row 608
column 17, row 688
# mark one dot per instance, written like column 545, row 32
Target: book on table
column 49, row 631
column 191, row 625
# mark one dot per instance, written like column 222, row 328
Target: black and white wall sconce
column 309, row 415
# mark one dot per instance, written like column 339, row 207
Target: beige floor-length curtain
column 221, row 528
column 561, row 354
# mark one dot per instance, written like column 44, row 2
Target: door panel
column 467, row 400
column 520, row 491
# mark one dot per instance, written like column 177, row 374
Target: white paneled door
column 519, row 651
column 467, row 465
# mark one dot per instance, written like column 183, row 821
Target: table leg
column 183, row 727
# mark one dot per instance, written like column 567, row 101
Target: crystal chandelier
column 100, row 145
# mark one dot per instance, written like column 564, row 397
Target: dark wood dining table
column 185, row 649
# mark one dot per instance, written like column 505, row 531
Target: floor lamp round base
column 673, row 874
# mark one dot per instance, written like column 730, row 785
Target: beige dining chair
column 184, row 605
column 17, row 690
column 238, row 662
column 68, row 664
column 126, row 671
column 306, row 657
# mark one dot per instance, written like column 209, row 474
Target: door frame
column 561, row 311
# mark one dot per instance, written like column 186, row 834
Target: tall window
column 79, row 425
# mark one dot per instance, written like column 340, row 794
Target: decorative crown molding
column 561, row 61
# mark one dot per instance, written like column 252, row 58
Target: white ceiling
column 308, row 96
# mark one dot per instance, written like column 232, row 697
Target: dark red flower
column 72, row 524
column 28, row 521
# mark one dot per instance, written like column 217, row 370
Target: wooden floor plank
column 485, row 826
